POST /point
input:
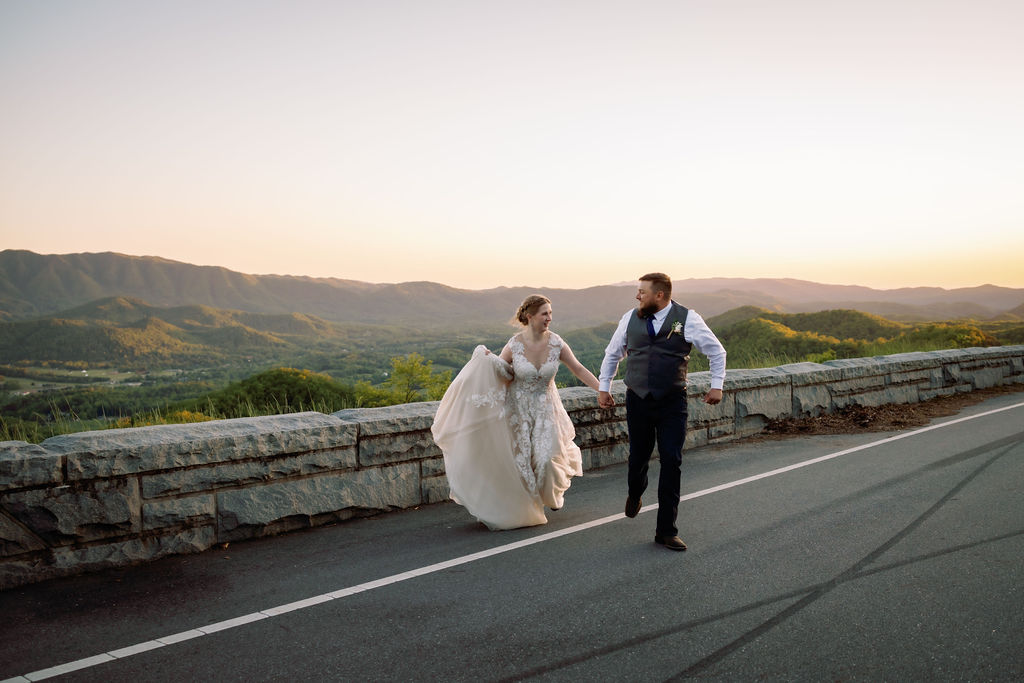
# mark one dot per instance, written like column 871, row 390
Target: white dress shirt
column 695, row 331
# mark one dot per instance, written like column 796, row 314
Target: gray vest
column 657, row 367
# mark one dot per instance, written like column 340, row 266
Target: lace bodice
column 529, row 377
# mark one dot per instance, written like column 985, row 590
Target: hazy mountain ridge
column 130, row 333
column 35, row 285
column 129, row 330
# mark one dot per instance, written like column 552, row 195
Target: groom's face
column 648, row 300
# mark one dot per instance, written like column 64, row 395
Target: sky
column 545, row 143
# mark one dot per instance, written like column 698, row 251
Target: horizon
column 622, row 283
column 476, row 145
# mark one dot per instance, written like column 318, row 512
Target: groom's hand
column 713, row 397
column 605, row 400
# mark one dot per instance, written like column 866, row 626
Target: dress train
column 472, row 431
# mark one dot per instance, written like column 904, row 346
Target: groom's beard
column 645, row 311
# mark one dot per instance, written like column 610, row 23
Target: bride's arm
column 503, row 365
column 577, row 368
column 506, row 353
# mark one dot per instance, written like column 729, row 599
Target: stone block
column 983, row 377
column 432, row 467
column 801, row 374
column 742, row 427
column 396, row 447
column 20, row 570
column 198, row 510
column 248, row 472
column 602, row 433
column 117, row 452
column 950, row 355
column 132, row 551
column 578, row 398
column 929, row 394
column 203, row 478
column 583, row 418
column 79, row 560
column 698, row 383
column 859, row 368
column 245, row 513
column 740, row 380
column 951, row 374
column 1017, row 364
column 696, row 438
column 24, row 464
column 888, row 395
column 409, row 417
column 915, row 376
column 855, row 386
column 906, row 362
column 771, row 402
column 700, row 413
column 811, row 400
column 434, row 489
column 723, row 428
column 76, row 514
column 596, row 457
column 15, row 539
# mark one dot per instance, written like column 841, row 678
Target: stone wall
column 91, row 500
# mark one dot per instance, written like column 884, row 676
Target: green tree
column 413, row 379
column 281, row 390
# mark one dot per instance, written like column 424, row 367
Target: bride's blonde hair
column 528, row 307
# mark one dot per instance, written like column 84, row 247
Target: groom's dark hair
column 659, row 282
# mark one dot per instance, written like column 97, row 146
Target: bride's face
column 541, row 320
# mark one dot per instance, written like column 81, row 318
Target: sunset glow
column 552, row 144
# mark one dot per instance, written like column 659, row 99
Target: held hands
column 605, row 400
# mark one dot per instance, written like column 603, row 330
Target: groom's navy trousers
column 662, row 422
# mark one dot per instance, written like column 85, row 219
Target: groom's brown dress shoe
column 632, row 506
column 670, row 542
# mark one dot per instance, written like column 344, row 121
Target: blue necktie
column 650, row 326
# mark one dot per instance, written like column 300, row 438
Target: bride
column 505, row 436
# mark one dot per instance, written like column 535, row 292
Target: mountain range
column 35, row 285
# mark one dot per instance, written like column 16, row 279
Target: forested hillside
column 130, row 334
column 33, row 285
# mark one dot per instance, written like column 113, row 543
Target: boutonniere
column 677, row 328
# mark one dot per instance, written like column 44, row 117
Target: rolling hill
column 34, row 285
column 126, row 332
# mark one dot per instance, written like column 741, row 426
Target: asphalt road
column 885, row 556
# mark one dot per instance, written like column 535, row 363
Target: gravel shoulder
column 885, row 418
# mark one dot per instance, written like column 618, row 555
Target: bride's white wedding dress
column 506, row 438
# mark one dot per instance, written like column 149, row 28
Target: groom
column 657, row 337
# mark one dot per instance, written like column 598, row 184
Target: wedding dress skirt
column 507, row 448
column 542, row 433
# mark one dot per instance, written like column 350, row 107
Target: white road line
column 447, row 564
